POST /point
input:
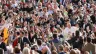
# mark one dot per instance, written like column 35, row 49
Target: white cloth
column 10, row 49
column 50, row 12
column 14, row 5
column 69, row 31
column 48, row 50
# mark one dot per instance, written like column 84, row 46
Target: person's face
column 87, row 28
column 61, row 7
column 69, row 25
column 45, row 9
column 31, row 34
column 21, row 13
column 25, row 23
column 40, row 5
column 18, row 22
column 54, row 1
column 5, row 8
column 21, row 35
column 30, row 5
column 55, row 6
column 25, row 6
column 49, row 7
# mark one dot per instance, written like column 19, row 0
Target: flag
column 5, row 37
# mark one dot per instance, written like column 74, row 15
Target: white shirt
column 14, row 5
column 69, row 31
column 50, row 12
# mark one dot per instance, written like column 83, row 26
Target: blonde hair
column 26, row 50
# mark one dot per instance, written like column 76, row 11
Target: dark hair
column 77, row 33
column 22, row 32
column 95, row 33
column 18, row 33
column 54, row 36
column 39, row 41
column 88, row 39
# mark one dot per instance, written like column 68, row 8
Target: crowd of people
column 47, row 26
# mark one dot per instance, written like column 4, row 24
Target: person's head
column 54, row 1
column 17, row 33
column 86, row 52
column 61, row 48
column 72, row 51
column 26, row 50
column 17, row 22
column 61, row 7
column 55, row 6
column 39, row 4
column 26, row 33
column 77, row 33
column 68, row 25
column 66, row 48
column 77, row 51
column 89, row 39
column 22, row 33
column 87, row 28
column 54, row 36
column 13, row 1
column 54, row 52
column 5, row 8
column 21, row 13
column 16, row 50
column 39, row 42
column 49, row 1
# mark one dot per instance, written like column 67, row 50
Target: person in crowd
column 56, row 40
column 72, row 51
column 2, row 44
column 43, row 49
column 86, row 52
column 61, row 49
column 17, row 50
column 26, row 49
column 90, row 47
column 54, row 52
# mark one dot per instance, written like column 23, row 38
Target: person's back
column 56, row 41
column 90, row 47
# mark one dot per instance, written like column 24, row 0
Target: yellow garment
column 5, row 37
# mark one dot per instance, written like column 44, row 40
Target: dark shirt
column 3, row 46
column 62, row 53
column 56, row 40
